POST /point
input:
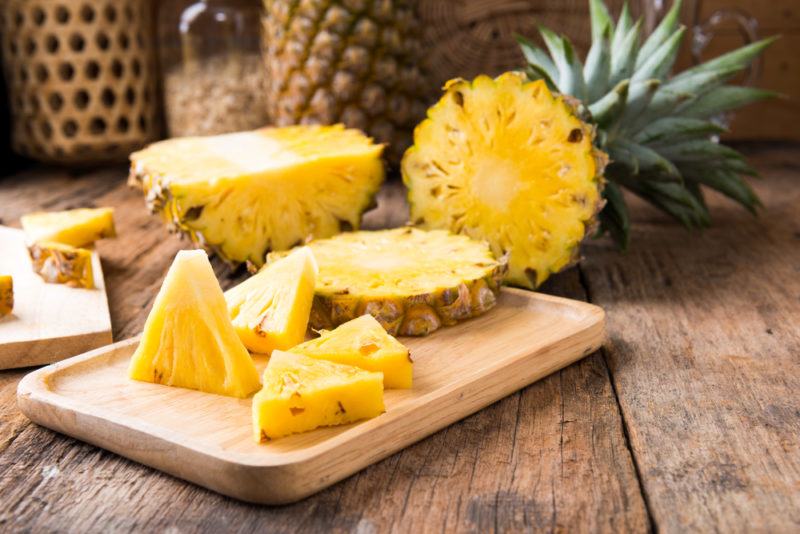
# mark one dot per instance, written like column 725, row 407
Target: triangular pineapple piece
column 364, row 343
column 188, row 340
column 57, row 263
column 79, row 227
column 302, row 393
column 270, row 309
column 6, row 294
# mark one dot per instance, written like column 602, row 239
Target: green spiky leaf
column 614, row 218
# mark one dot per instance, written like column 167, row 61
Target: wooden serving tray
column 49, row 322
column 207, row 439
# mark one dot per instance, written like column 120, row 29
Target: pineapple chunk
column 6, row 294
column 363, row 343
column 79, row 228
column 57, row 263
column 270, row 310
column 302, row 393
column 188, row 340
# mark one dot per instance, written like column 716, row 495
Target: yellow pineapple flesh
column 363, row 343
column 302, row 393
column 412, row 281
column 6, row 294
column 241, row 195
column 506, row 161
column 270, row 309
column 78, row 227
column 57, row 263
column 188, row 339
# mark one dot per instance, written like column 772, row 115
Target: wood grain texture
column 49, row 322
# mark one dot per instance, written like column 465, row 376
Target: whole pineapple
column 349, row 61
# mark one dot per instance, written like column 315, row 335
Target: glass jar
column 213, row 75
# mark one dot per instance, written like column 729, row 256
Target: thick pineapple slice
column 507, row 161
column 364, row 343
column 6, row 294
column 412, row 281
column 302, row 393
column 270, row 309
column 78, row 228
column 57, row 263
column 188, row 340
column 244, row 194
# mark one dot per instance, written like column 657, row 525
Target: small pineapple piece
column 79, row 227
column 57, row 263
column 188, row 340
column 6, row 294
column 302, row 393
column 270, row 310
column 363, row 343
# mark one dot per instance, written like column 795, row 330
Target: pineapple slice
column 410, row 280
column 270, row 310
column 6, row 294
column 188, row 340
column 244, row 194
column 302, row 393
column 57, row 263
column 78, row 228
column 363, row 343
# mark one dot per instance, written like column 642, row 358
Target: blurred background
column 88, row 81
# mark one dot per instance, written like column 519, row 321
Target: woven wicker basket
column 81, row 76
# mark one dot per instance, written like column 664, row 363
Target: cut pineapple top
column 302, row 393
column 78, row 227
column 244, row 194
column 364, row 343
column 270, row 309
column 188, row 340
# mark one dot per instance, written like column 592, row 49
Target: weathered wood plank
column 705, row 357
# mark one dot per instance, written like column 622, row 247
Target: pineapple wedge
column 302, row 393
column 243, row 194
column 270, row 309
column 188, row 340
column 57, row 263
column 363, row 343
column 78, row 228
column 6, row 294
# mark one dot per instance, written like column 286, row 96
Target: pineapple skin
column 358, row 63
column 57, row 263
column 363, row 343
column 403, row 313
column 301, row 394
column 6, row 294
column 430, row 208
column 78, row 228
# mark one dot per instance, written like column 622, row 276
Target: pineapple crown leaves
column 658, row 129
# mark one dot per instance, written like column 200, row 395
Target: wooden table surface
column 689, row 419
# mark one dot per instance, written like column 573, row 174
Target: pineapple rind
column 412, row 281
column 6, row 294
column 78, row 228
column 57, row 263
column 506, row 161
column 308, row 182
column 302, row 393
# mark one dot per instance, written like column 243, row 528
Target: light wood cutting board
column 207, row 439
column 49, row 322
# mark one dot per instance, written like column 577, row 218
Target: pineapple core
column 6, row 294
column 188, row 340
column 364, row 343
column 302, row 393
column 78, row 228
column 270, row 310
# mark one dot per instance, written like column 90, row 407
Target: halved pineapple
column 78, row 227
column 6, row 294
column 302, row 393
column 244, row 194
column 57, row 263
column 188, row 340
column 363, row 343
column 270, row 309
column 412, row 281
column 506, row 161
